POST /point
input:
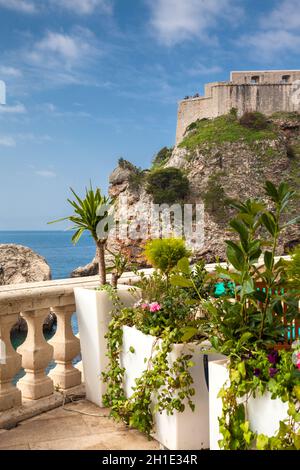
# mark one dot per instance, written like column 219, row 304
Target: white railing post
column 66, row 348
column 10, row 364
column 36, row 356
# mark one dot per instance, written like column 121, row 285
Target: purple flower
column 272, row 372
column 257, row 372
column 273, row 357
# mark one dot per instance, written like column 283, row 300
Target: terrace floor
column 60, row 429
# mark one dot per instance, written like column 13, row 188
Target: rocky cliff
column 19, row 264
column 223, row 158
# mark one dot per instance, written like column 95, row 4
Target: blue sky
column 89, row 81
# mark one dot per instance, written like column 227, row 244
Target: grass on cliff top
column 224, row 129
column 289, row 116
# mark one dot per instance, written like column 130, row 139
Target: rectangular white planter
column 93, row 308
column 264, row 414
column 181, row 431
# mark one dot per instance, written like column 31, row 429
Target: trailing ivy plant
column 168, row 384
column 254, row 373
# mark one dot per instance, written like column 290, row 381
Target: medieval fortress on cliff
column 265, row 91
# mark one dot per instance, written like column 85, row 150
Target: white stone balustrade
column 33, row 302
column 66, row 347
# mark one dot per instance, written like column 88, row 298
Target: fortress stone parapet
column 265, row 91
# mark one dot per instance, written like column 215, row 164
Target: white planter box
column 93, row 308
column 264, row 414
column 181, row 431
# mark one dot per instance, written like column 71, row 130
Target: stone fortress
column 268, row 91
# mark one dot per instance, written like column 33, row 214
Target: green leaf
column 269, row 260
column 262, row 442
column 245, row 337
column 180, row 281
column 271, row 191
column 269, row 222
column 241, row 229
column 248, row 286
column 188, row 333
column 235, row 255
column 242, row 369
column 184, row 266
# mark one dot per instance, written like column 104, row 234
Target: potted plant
column 92, row 214
column 156, row 377
column 254, row 395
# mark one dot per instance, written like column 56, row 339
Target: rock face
column 90, row 269
column 223, row 161
column 19, row 264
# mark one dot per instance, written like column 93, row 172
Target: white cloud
column 278, row 33
column 7, row 141
column 85, row 7
column 270, row 43
column 10, row 72
column 174, row 21
column 23, row 6
column 15, row 109
column 286, row 16
column 46, row 173
column 62, row 51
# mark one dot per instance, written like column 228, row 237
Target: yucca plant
column 91, row 214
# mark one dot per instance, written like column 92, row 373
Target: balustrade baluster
column 66, row 348
column 10, row 364
column 36, row 356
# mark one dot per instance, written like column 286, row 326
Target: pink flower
column 145, row 306
column 298, row 360
column 154, row 307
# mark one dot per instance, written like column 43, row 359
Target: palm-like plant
column 91, row 214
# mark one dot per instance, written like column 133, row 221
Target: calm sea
column 56, row 248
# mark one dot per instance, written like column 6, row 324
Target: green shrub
column 215, row 198
column 254, row 120
column 164, row 254
column 162, row 157
column 167, row 185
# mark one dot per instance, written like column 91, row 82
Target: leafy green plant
column 162, row 157
column 253, row 374
column 91, row 214
column 120, row 264
column 168, row 313
column 164, row 254
column 167, row 185
column 214, row 197
column 254, row 120
column 256, row 312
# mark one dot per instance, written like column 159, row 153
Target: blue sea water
column 56, row 247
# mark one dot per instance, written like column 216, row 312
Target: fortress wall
column 267, row 76
column 189, row 111
column 221, row 97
